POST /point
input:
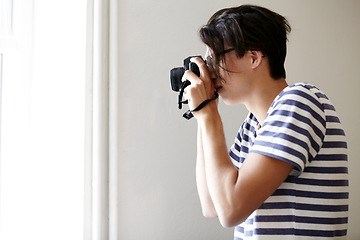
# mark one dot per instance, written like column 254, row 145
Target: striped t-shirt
column 302, row 128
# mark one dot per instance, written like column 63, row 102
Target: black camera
column 178, row 85
column 177, row 73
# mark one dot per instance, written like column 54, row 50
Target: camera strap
column 188, row 115
column 180, row 96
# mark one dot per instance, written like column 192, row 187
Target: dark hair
column 245, row 28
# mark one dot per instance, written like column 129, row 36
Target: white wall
column 158, row 198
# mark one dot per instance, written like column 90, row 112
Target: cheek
column 228, row 81
column 229, row 98
column 234, row 91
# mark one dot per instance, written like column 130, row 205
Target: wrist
column 189, row 114
column 209, row 111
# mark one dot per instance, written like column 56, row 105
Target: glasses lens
column 210, row 63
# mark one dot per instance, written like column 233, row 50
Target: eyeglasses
column 210, row 61
column 226, row 51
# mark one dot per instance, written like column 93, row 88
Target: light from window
column 42, row 122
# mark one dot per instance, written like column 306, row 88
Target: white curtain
column 101, row 193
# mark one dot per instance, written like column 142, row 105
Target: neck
column 263, row 95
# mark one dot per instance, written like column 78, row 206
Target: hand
column 201, row 88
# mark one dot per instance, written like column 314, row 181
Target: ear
column 256, row 58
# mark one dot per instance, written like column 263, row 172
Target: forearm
column 207, row 205
column 236, row 193
column 221, row 175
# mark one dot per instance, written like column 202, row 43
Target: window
column 42, row 120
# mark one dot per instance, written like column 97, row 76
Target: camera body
column 177, row 73
column 177, row 85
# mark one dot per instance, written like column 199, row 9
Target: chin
column 229, row 102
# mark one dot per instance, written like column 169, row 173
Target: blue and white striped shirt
column 301, row 128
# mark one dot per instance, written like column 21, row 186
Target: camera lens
column 175, row 77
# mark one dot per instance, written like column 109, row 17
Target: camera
column 178, row 85
column 177, row 73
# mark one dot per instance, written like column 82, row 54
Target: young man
column 285, row 177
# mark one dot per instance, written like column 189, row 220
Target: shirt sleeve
column 294, row 129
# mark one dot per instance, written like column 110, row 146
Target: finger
column 204, row 73
column 192, row 77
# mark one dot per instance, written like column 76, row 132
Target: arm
column 236, row 193
column 207, row 205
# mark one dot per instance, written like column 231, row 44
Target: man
column 285, row 177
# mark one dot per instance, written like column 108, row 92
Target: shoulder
column 302, row 101
column 294, row 127
column 301, row 93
